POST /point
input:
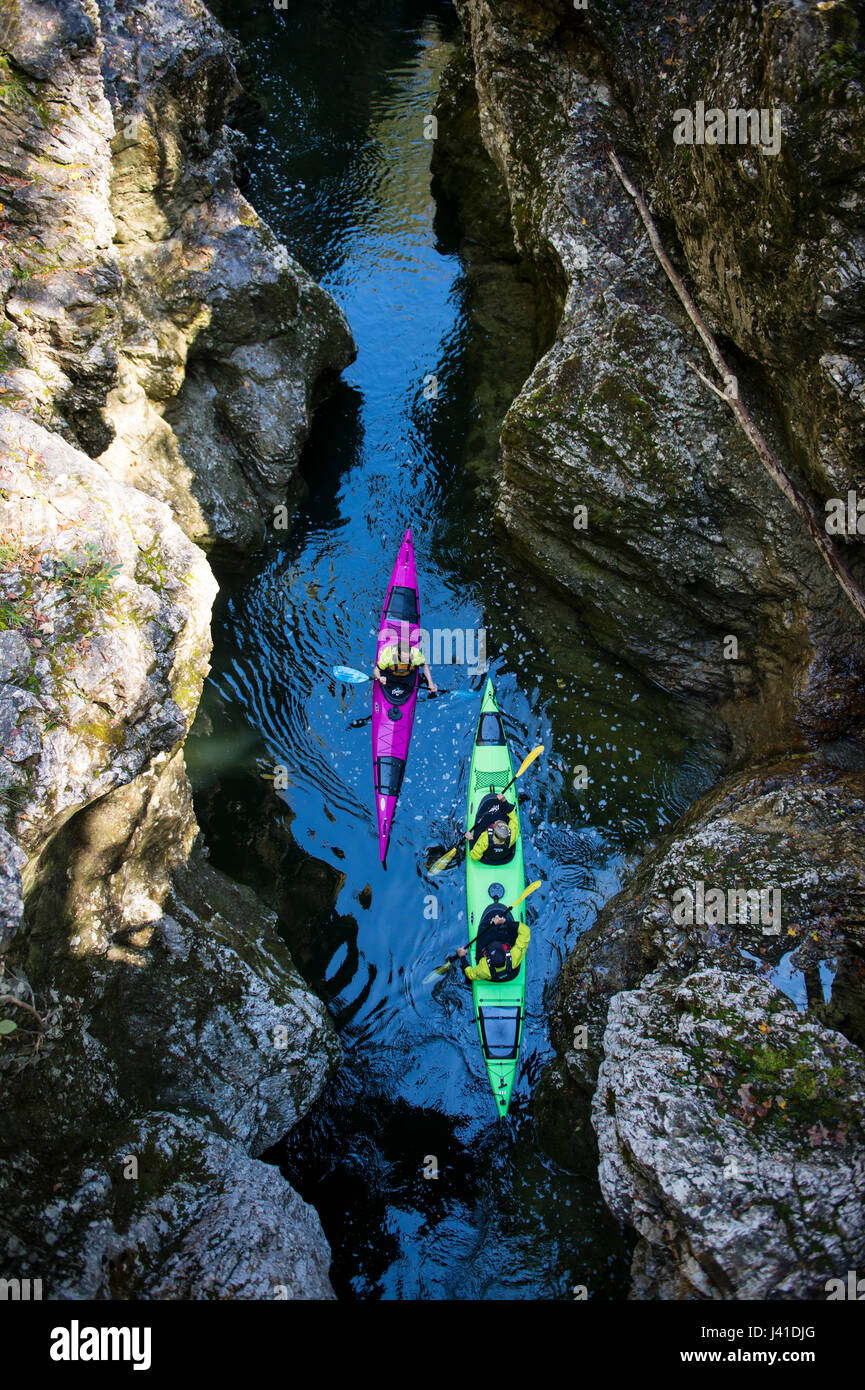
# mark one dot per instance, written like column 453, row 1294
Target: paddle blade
column 347, row 673
column 442, row 863
column 528, row 760
column 434, row 974
column 526, row 891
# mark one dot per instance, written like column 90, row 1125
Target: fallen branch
column 11, row 999
column 730, row 395
column 722, row 395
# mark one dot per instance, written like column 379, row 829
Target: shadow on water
column 462, row 1223
column 340, row 168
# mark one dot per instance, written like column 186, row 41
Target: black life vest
column 496, row 853
column 510, row 972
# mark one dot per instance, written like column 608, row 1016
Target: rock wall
column 687, row 540
column 711, row 1070
column 726, row 1056
column 160, row 357
column 147, row 304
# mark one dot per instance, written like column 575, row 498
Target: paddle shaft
column 353, row 677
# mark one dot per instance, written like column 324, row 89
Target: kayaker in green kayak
column 499, row 834
column 399, row 659
column 500, row 959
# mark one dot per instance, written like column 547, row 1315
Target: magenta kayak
column 394, row 703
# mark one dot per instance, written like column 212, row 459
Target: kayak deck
column 499, row 1008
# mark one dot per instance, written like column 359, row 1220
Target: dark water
column 340, row 168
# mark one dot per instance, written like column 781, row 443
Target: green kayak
column 499, row 1006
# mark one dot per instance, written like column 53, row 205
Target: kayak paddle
column 347, row 673
column 443, row 969
column 446, row 858
column 353, row 677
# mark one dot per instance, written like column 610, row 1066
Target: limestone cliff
column 686, row 540
column 150, row 314
column 161, row 354
column 715, row 1067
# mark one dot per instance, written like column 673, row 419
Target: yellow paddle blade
column 442, row 863
column 434, row 974
column 528, row 760
column 526, row 891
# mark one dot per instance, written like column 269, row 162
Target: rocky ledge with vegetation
column 714, row 1071
column 160, row 357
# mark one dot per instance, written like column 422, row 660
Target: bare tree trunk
column 730, row 394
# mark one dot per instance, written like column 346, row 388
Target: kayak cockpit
column 487, row 932
column 490, row 733
column 388, row 775
column 500, row 1031
column 399, row 689
column 488, row 812
column 403, row 605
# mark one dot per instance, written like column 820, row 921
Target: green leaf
column 7, row 1026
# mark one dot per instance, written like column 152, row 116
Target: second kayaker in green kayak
column 503, row 951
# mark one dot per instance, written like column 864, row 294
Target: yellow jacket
column 518, row 950
column 482, row 844
column 390, row 657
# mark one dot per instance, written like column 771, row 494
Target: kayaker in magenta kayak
column 400, row 659
column 502, row 953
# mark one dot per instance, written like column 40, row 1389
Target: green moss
column 102, row 730
column 791, row 1088
column 841, row 65
column 15, row 92
column 152, row 569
